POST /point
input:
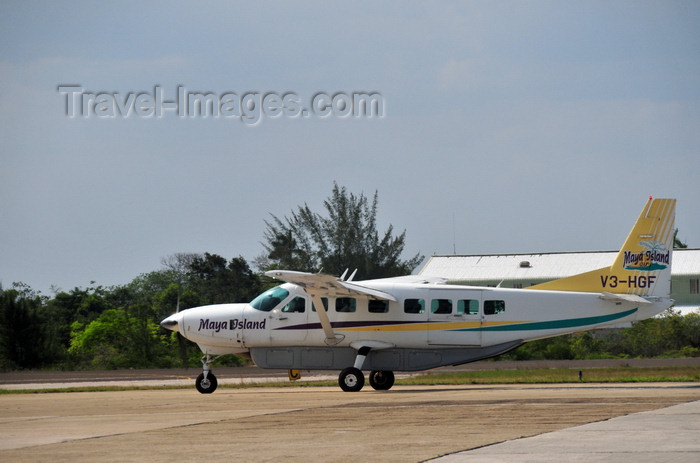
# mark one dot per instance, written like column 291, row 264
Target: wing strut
column 331, row 338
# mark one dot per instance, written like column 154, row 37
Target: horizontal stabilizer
column 623, row 298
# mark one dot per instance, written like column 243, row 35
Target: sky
column 496, row 127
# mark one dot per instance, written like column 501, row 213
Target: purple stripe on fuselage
column 317, row 326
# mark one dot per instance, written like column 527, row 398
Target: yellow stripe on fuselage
column 430, row 326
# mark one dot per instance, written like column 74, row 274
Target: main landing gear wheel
column 206, row 385
column 351, row 379
column 381, row 380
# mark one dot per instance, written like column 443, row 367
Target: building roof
column 686, row 262
column 515, row 266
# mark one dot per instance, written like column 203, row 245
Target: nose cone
column 172, row 322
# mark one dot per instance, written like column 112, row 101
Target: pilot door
column 454, row 318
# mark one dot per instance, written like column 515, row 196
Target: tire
column 206, row 386
column 381, row 380
column 351, row 379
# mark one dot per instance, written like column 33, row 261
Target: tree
column 116, row 339
column 177, row 264
column 22, row 329
column 677, row 243
column 217, row 281
column 346, row 237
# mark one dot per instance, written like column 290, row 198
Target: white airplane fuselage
column 522, row 316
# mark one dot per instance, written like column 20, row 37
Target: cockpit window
column 298, row 304
column 269, row 299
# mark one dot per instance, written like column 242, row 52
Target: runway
column 405, row 424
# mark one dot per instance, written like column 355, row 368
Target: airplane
column 315, row 321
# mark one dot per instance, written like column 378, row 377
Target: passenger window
column 468, row 306
column 494, row 307
column 377, row 306
column 296, row 305
column 345, row 304
column 441, row 306
column 325, row 304
column 414, row 306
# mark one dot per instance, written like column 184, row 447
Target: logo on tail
column 656, row 257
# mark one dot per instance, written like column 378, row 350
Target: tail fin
column 643, row 265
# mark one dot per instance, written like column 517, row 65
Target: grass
column 560, row 375
column 535, row 376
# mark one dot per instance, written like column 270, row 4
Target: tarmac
column 666, row 435
column 586, row 422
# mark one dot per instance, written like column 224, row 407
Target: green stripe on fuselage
column 554, row 324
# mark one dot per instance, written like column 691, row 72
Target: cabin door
column 454, row 317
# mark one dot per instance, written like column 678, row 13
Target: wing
column 318, row 284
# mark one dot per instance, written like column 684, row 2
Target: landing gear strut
column 206, row 382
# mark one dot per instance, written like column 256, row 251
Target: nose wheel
column 206, row 382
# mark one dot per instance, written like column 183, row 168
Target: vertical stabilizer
column 643, row 265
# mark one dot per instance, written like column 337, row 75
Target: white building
column 523, row 270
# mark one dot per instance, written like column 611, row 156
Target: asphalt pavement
column 663, row 435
